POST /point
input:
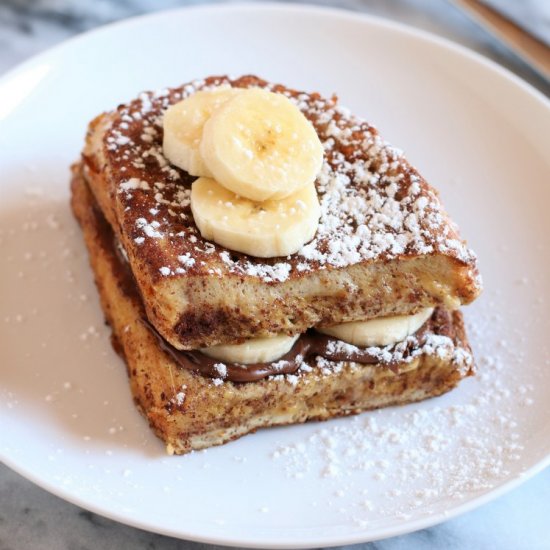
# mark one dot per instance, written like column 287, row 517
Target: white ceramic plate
column 68, row 422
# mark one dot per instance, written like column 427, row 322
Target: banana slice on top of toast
column 262, row 229
column 183, row 126
column 260, row 146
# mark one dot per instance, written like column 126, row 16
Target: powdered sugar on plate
column 452, row 448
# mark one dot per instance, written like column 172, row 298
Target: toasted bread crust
column 189, row 411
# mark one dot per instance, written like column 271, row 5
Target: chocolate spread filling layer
column 309, row 345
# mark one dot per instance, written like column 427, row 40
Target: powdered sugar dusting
column 415, row 471
column 374, row 205
column 132, row 184
column 448, row 449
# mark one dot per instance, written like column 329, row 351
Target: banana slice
column 183, row 125
column 378, row 332
column 256, row 350
column 265, row 230
column 260, row 146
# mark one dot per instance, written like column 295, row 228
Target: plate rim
column 356, row 538
column 434, row 40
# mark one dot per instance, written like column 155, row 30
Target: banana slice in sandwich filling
column 378, row 332
column 256, row 350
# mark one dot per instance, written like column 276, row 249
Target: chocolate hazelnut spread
column 309, row 345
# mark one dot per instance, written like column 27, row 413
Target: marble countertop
column 31, row 518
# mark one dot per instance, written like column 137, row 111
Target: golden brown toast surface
column 190, row 411
column 384, row 244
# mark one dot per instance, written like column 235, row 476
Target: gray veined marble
column 32, row 519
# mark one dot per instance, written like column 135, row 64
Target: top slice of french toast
column 384, row 244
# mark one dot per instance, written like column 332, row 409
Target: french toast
column 384, row 244
column 218, row 341
column 191, row 410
